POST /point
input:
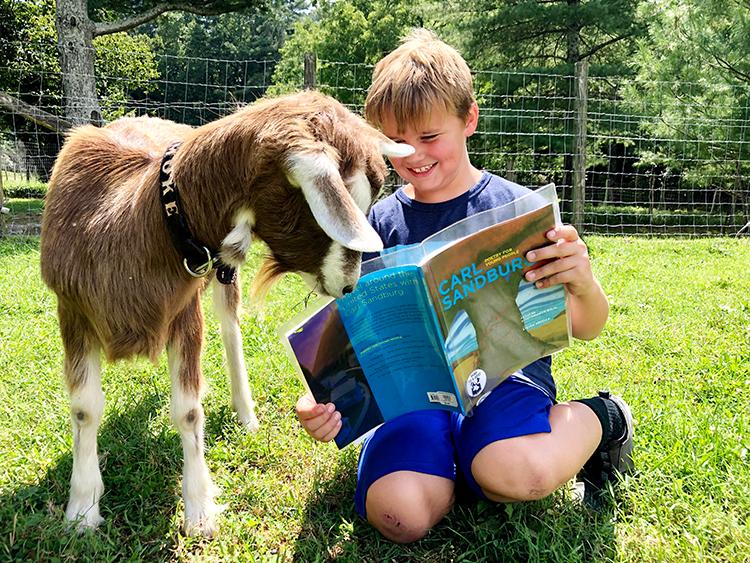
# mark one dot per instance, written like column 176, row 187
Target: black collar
column 198, row 259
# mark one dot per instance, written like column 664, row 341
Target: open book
column 435, row 325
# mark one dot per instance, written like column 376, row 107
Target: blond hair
column 422, row 74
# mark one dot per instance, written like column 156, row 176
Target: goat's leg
column 226, row 304
column 83, row 378
column 198, row 490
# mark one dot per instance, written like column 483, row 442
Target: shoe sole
column 625, row 458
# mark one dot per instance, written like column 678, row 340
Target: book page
column 391, row 325
column 492, row 320
column 328, row 365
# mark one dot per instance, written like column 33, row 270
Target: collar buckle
column 201, row 270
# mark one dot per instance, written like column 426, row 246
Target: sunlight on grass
column 677, row 346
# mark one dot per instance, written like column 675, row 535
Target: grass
column 27, row 205
column 15, row 184
column 677, row 346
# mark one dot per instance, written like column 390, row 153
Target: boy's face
column 439, row 169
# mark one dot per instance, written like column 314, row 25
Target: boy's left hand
column 570, row 262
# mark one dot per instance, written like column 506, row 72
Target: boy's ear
column 472, row 120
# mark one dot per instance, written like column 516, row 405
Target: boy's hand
column 570, row 262
column 320, row 421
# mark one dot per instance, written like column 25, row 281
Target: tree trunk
column 74, row 39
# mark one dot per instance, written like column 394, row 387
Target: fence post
column 578, row 195
column 3, row 209
column 309, row 75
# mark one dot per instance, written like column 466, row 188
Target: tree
column 30, row 84
column 26, row 29
column 218, row 61
column 76, row 31
column 534, row 45
column 347, row 37
column 546, row 34
column 694, row 72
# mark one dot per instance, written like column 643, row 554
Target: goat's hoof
column 250, row 422
column 203, row 521
column 83, row 518
column 248, row 419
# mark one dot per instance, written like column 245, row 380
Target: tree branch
column 105, row 28
column 726, row 65
column 38, row 116
column 721, row 62
column 601, row 46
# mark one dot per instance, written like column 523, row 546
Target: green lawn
column 677, row 346
column 15, row 184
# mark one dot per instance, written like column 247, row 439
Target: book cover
column 493, row 321
column 434, row 326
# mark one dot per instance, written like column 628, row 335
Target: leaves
column 347, row 36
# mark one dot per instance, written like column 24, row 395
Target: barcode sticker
column 443, row 398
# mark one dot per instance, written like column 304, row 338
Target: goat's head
column 314, row 189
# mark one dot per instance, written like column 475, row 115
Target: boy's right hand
column 320, row 421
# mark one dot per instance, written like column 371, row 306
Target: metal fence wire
column 628, row 156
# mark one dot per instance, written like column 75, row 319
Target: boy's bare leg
column 404, row 505
column 532, row 467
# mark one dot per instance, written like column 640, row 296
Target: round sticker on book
column 476, row 382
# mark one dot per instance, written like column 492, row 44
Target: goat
column 297, row 172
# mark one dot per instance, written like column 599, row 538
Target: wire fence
column 628, row 156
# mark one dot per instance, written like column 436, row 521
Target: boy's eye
column 428, row 138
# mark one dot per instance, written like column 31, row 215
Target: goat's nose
column 347, row 289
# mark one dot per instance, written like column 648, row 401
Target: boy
column 519, row 444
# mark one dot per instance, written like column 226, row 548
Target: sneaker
column 610, row 461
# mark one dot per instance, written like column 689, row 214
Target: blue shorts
column 442, row 443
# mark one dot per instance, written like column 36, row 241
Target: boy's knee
column 528, row 477
column 400, row 526
column 404, row 507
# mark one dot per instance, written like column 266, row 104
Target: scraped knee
column 400, row 527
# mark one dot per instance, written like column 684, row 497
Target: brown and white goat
column 297, row 172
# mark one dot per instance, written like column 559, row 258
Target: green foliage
column 16, row 185
column 546, row 34
column 124, row 62
column 215, row 62
column 695, row 76
column 347, row 37
column 125, row 8
column 27, row 37
column 677, row 347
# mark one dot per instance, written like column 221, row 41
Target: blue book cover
column 437, row 326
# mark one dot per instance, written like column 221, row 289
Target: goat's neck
column 212, row 174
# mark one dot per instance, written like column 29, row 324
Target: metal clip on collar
column 202, row 269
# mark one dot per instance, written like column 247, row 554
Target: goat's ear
column 333, row 207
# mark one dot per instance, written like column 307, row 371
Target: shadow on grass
column 141, row 472
column 553, row 529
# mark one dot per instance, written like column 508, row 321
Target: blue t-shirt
column 402, row 221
